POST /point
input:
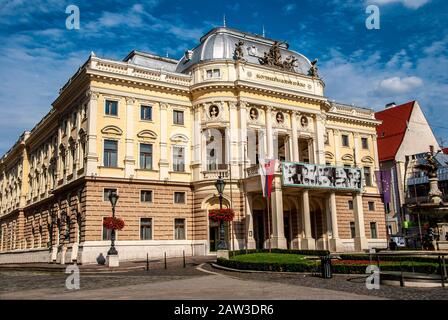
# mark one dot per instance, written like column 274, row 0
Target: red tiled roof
column 391, row 132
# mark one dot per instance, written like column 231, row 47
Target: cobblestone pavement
column 13, row 282
column 177, row 282
column 344, row 283
column 203, row 287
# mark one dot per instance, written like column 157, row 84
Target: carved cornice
column 130, row 101
column 92, row 95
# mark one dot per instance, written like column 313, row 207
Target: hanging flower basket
column 113, row 223
column 221, row 214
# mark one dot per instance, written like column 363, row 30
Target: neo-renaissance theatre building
column 159, row 132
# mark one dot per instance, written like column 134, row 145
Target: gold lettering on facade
column 276, row 79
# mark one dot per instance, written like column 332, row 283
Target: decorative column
column 337, row 147
column 356, row 155
column 163, row 162
column 278, row 239
column 335, row 242
column 129, row 159
column 269, row 134
column 308, row 242
column 233, row 140
column 320, row 139
column 243, row 137
column 196, row 164
column 295, row 138
column 251, row 244
column 311, row 154
column 375, row 151
column 92, row 153
column 360, row 238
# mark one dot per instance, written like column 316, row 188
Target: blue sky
column 406, row 59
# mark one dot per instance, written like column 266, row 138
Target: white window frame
column 174, row 197
column 152, row 196
column 185, row 227
column 140, row 228
column 118, row 107
column 104, row 190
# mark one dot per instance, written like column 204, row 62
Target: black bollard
column 147, row 262
column 184, row 258
column 165, row 260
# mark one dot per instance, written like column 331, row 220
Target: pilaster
column 129, row 159
column 92, row 117
column 164, row 163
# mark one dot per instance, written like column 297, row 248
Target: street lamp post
column 220, row 184
column 113, row 198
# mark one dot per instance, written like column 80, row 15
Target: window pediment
column 367, row 159
column 347, row 157
column 329, row 155
column 147, row 134
column 179, row 138
column 112, row 130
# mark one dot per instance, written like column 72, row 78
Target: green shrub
column 426, row 268
column 290, row 251
column 262, row 266
column 387, row 258
column 305, row 265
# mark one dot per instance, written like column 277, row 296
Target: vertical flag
column 267, row 169
column 383, row 180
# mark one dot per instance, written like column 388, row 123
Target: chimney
column 390, row 105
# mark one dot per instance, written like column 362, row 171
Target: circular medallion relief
column 253, row 113
column 280, row 117
column 213, row 111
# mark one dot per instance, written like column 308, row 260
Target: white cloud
column 397, row 85
column 412, row 4
column 366, row 81
column 289, row 7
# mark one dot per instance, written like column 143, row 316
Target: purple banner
column 383, row 180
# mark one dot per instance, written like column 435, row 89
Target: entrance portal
column 259, row 228
column 214, row 236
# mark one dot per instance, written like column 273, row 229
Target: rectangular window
column 107, row 192
column 146, row 113
column 145, row 229
column 146, row 156
column 365, row 143
column 352, row 230
column 179, row 197
column 327, row 139
column 64, row 127
column 368, row 176
column 371, row 206
column 178, row 159
column 350, row 204
column 179, row 229
column 111, row 108
column 209, row 74
column 215, row 73
column 345, row 140
column 146, row 196
column 106, row 233
column 110, row 153
column 373, row 233
column 74, row 120
column 178, row 117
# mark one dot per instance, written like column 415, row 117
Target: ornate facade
column 160, row 131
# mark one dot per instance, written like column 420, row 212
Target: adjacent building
column 404, row 131
column 160, row 131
